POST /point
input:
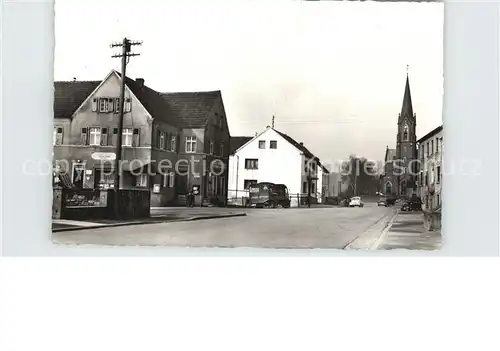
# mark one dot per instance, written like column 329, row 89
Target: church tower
column 406, row 149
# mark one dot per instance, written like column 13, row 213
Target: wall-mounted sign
column 156, row 188
column 104, row 156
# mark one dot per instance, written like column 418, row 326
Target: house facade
column 160, row 131
column 273, row 156
column 430, row 149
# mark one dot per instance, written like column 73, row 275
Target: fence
column 240, row 198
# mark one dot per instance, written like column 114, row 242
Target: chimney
column 140, row 82
column 301, row 143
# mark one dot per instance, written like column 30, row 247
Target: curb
column 386, row 230
column 124, row 224
column 376, row 243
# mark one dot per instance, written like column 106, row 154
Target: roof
column 431, row 134
column 149, row 98
column 390, row 154
column 407, row 107
column 68, row 96
column 191, row 109
column 237, row 142
column 184, row 109
column 296, row 144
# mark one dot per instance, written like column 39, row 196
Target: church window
column 405, row 133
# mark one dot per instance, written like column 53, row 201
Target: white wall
column 282, row 165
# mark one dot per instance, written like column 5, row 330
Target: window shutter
column 104, row 136
column 111, row 106
column 135, row 137
column 94, row 104
column 84, row 137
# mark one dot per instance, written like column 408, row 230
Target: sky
column 332, row 73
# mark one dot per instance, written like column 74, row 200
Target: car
column 356, row 202
column 382, row 203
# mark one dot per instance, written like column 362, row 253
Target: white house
column 273, row 156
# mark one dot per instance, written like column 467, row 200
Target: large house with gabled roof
column 167, row 138
column 273, row 156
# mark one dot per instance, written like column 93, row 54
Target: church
column 401, row 163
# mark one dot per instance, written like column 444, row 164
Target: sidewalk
column 408, row 232
column 158, row 215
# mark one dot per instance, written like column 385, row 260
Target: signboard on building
column 103, row 156
column 86, row 199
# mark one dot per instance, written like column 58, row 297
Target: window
column 191, row 144
column 58, row 135
column 313, row 186
column 426, row 178
column 221, row 121
column 127, row 137
column 438, row 174
column 104, row 136
column 248, row 182
column 273, row 144
column 437, row 145
column 135, row 137
column 94, row 104
column 432, row 147
column 438, row 200
column 427, row 148
column 405, row 133
column 142, row 180
column 54, row 136
column 168, row 179
column 128, row 105
column 304, row 187
column 211, row 152
column 103, row 105
column 117, row 105
column 422, row 155
column 173, row 143
column 262, row 144
column 161, row 144
column 95, row 136
column 221, row 150
column 251, row 163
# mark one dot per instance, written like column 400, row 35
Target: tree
column 361, row 175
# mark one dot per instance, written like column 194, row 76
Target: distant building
column 159, row 130
column 430, row 148
column 273, row 156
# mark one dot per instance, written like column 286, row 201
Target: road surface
column 333, row 227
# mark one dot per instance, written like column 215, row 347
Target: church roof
column 407, row 107
column 390, row 154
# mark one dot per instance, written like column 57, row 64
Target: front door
column 78, row 174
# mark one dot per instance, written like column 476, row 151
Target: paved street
column 333, row 227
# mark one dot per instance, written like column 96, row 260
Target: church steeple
column 407, row 108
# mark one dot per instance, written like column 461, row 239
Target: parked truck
column 269, row 195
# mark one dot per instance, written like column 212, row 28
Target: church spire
column 407, row 108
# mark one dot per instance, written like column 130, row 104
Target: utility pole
column 126, row 44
